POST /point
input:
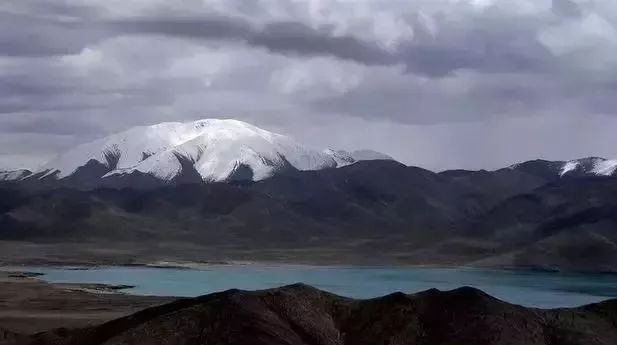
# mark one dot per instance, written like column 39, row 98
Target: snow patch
column 14, row 175
column 592, row 165
column 569, row 166
column 605, row 167
column 341, row 157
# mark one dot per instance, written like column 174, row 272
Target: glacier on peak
column 215, row 148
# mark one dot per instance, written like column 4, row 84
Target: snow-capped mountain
column 217, row 150
column 589, row 166
column 341, row 157
column 344, row 158
column 13, row 175
column 214, row 150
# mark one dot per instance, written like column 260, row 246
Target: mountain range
column 214, row 150
column 223, row 189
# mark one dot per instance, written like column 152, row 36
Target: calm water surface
column 534, row 289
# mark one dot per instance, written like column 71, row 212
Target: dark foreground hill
column 302, row 315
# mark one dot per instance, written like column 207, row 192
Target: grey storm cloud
column 300, row 39
column 493, row 45
column 487, row 46
column 45, row 125
column 39, row 28
column 434, row 74
column 279, row 37
column 213, row 27
column 566, row 8
column 31, row 36
column 484, row 46
column 20, row 36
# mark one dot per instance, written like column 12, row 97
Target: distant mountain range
column 268, row 198
column 215, row 150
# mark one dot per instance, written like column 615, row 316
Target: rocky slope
column 14, row 175
column 302, row 315
column 400, row 214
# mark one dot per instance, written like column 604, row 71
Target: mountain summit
column 210, row 150
column 591, row 166
column 214, row 150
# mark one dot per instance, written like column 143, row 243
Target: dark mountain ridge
column 93, row 174
column 510, row 217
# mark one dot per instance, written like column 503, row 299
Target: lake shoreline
column 94, row 253
column 529, row 288
column 31, row 305
column 200, row 265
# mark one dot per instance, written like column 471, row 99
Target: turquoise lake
column 533, row 289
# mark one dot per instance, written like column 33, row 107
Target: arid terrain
column 28, row 305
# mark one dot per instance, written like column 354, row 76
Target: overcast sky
column 435, row 83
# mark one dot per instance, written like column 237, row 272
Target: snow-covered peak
column 589, row 166
column 14, row 175
column 568, row 167
column 605, row 167
column 215, row 149
column 341, row 157
column 124, row 149
column 344, row 158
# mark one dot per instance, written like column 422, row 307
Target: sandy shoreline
column 29, row 305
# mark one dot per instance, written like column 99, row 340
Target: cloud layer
column 440, row 84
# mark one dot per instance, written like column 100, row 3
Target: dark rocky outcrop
column 302, row 315
column 7, row 337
